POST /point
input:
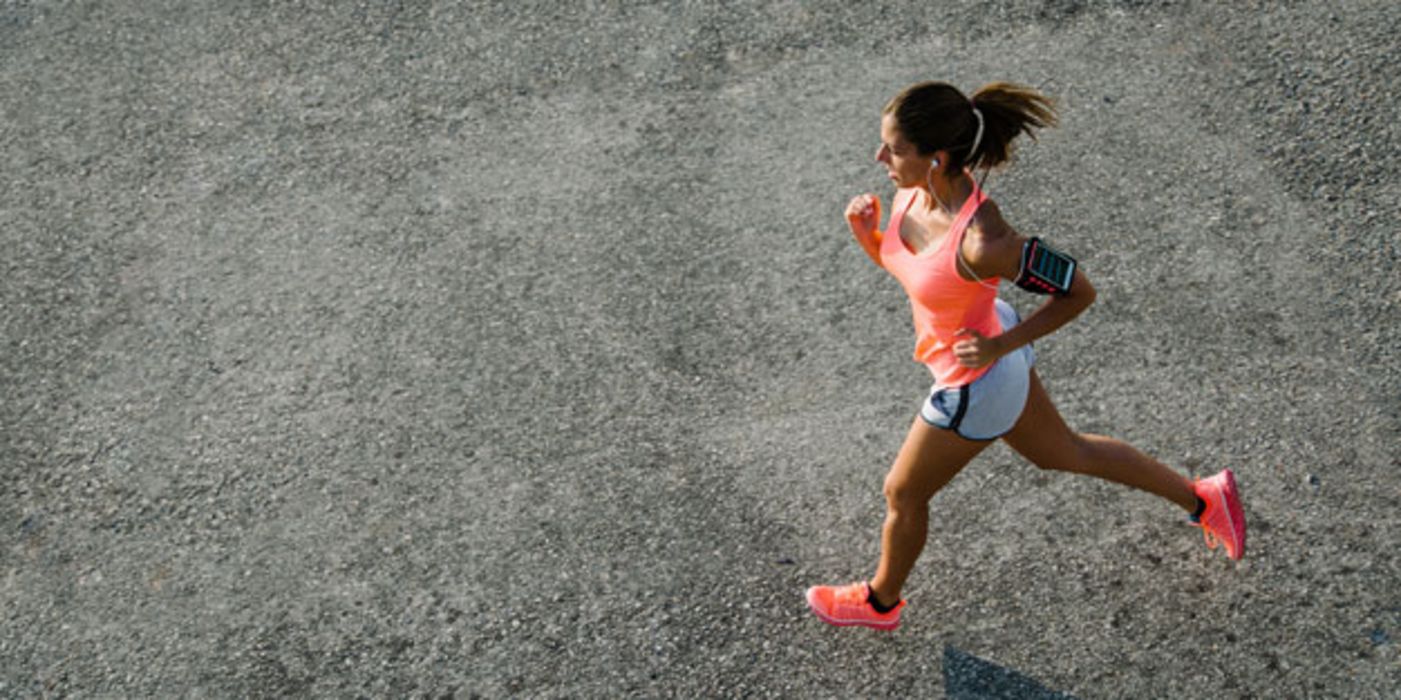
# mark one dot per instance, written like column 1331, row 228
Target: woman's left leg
column 928, row 460
column 1042, row 436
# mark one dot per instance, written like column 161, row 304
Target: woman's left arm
column 997, row 252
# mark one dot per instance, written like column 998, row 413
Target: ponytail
column 1007, row 111
column 977, row 132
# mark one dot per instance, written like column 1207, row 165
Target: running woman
column 949, row 247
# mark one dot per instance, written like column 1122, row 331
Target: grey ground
column 411, row 349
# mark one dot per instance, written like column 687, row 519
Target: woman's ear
column 939, row 157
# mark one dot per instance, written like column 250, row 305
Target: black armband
column 1044, row 269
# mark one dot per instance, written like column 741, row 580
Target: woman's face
column 905, row 165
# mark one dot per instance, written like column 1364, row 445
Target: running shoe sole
column 1237, row 515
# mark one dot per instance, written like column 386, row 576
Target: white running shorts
column 989, row 407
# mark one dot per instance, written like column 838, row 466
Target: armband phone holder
column 1044, row 269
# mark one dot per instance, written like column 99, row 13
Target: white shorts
column 989, row 407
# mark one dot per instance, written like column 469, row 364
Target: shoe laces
column 854, row 594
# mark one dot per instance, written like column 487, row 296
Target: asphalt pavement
column 423, row 349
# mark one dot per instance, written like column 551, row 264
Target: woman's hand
column 978, row 350
column 863, row 216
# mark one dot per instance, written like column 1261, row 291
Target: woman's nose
column 880, row 154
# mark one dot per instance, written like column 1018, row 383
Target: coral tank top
column 942, row 301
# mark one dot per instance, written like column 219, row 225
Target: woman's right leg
column 929, row 459
column 1042, row 436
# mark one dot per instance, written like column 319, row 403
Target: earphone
column 934, row 163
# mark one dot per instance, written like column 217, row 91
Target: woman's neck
column 948, row 193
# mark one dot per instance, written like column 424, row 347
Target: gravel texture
column 411, row 349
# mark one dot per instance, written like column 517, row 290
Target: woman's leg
column 1042, row 436
column 929, row 459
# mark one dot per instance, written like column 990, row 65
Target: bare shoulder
column 992, row 247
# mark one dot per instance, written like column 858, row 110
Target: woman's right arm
column 863, row 216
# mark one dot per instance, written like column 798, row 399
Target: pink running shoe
column 1224, row 519
column 845, row 606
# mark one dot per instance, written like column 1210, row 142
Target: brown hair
column 936, row 116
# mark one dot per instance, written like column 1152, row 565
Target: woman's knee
column 903, row 496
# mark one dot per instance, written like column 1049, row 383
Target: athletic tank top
column 942, row 301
